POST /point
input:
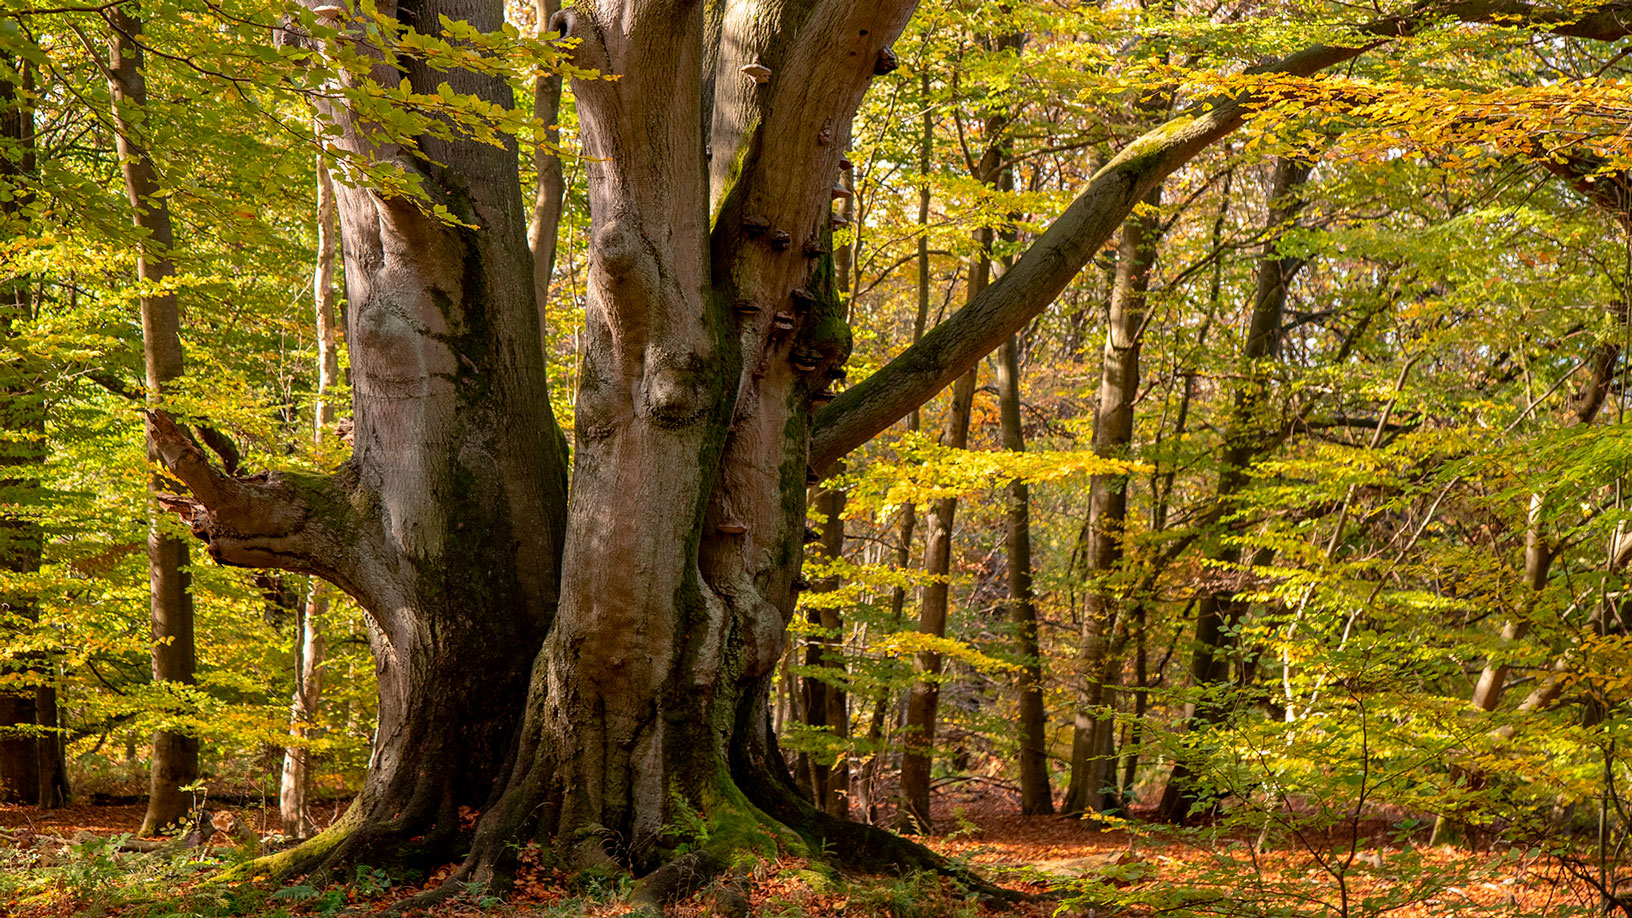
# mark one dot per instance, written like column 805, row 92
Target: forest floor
column 1065, row 867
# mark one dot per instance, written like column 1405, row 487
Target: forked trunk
column 711, row 323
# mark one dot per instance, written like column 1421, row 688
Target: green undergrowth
column 95, row 878
column 737, row 851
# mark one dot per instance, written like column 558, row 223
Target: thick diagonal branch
column 1044, row 270
column 277, row 520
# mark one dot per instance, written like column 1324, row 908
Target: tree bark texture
column 633, row 632
column 175, row 754
column 446, row 523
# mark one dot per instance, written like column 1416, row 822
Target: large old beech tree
column 591, row 672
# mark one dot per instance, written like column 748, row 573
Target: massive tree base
column 750, row 814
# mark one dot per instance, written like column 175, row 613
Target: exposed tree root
column 354, row 839
column 680, row 877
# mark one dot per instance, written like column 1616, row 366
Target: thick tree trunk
column 711, row 323
column 1091, row 770
column 175, row 754
column 1247, row 433
column 446, row 524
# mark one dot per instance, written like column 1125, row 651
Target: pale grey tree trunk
column 295, row 782
column 446, row 523
column 310, row 648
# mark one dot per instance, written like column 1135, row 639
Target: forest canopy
column 579, row 454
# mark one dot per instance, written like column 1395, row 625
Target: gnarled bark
column 657, row 602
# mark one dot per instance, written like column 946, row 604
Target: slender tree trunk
column 924, row 697
column 1036, row 797
column 543, row 229
column 310, row 647
column 1248, row 432
column 296, row 779
column 907, row 525
column 1588, row 401
column 1036, row 794
column 175, row 754
column 1091, row 771
column 31, row 759
column 826, row 704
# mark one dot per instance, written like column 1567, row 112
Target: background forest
column 1297, row 526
